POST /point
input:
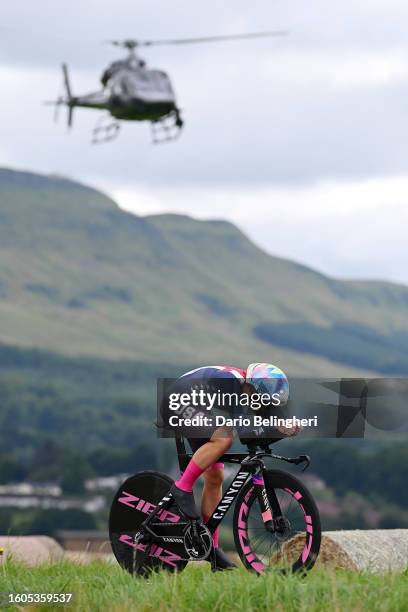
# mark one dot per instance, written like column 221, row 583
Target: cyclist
column 257, row 378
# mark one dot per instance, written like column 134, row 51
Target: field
column 102, row 586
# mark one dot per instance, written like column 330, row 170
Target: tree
column 75, row 470
column 10, row 469
column 47, row 522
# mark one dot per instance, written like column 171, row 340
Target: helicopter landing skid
column 105, row 130
column 166, row 128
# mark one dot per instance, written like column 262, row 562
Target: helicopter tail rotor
column 70, row 116
column 60, row 101
column 66, row 81
column 69, row 97
column 67, row 100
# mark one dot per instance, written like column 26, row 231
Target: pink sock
column 217, row 466
column 215, row 534
column 190, row 475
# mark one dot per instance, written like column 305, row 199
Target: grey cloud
column 40, row 32
column 241, row 125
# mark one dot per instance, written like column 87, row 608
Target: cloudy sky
column 302, row 141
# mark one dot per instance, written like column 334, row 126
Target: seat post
column 183, row 456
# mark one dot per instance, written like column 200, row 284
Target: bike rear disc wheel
column 135, row 499
column 295, row 545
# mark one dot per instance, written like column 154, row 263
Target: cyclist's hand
column 290, row 431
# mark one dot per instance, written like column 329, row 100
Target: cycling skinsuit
column 211, row 379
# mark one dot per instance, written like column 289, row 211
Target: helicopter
column 133, row 92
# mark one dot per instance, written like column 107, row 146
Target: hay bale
column 30, row 550
column 84, row 557
column 373, row 550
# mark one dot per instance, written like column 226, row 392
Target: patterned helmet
column 267, row 378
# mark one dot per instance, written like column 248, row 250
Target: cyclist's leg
column 207, row 454
column 212, row 493
column 213, row 479
column 219, row 443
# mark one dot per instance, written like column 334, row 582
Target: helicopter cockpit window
column 160, row 81
column 125, row 86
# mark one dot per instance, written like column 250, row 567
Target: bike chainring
column 197, row 541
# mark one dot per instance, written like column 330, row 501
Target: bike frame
column 252, row 465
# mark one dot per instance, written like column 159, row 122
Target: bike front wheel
column 289, row 542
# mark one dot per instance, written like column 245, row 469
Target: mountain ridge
column 80, row 276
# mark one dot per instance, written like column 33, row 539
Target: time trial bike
column 276, row 523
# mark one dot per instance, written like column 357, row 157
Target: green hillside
column 81, row 277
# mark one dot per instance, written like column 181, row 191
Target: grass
column 102, row 586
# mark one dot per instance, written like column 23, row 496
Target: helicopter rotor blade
column 127, row 43
column 66, row 81
column 132, row 43
column 210, row 39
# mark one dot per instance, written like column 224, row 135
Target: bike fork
column 268, row 501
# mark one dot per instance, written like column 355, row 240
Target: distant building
column 47, row 495
column 31, row 488
column 105, row 482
